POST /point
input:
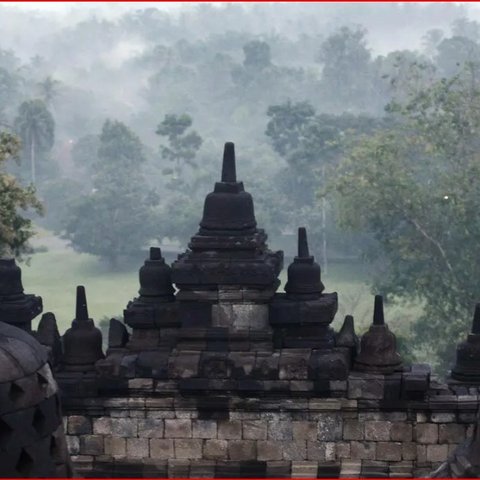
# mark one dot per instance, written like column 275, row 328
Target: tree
column 257, row 55
column 36, row 128
column 49, row 89
column 346, row 64
column 182, row 145
column 85, row 152
column 414, row 188
column 15, row 229
column 116, row 219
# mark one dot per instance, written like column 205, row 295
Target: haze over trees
column 357, row 121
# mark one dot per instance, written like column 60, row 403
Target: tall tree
column 116, row 218
column 183, row 145
column 36, row 128
column 415, row 188
column 15, row 229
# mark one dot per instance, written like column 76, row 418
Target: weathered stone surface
column 242, row 450
column 178, row 428
column 215, row 449
column 304, row 469
column 161, row 449
column 229, row 430
column 73, row 443
column 102, row 426
column 269, row 450
column 389, row 451
column 304, row 430
column 437, row 453
column 150, row 428
column 188, row 448
column 91, row 445
column 295, row 450
column 204, row 429
column 280, row 429
column 116, row 446
column 426, row 433
column 363, row 450
column 124, row 427
column 79, row 425
column 377, row 431
column 442, row 417
column 316, row 450
column 329, row 427
column 401, row 432
column 138, row 448
column 254, row 430
column 371, row 387
column 353, row 430
column 342, row 450
column 451, row 433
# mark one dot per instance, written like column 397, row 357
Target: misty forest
column 359, row 121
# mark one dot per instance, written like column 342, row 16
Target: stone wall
column 147, row 431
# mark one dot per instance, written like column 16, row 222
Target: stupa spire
column 303, row 243
column 229, row 174
column 378, row 317
column 81, row 309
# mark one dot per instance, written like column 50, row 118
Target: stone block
column 242, row 450
column 304, row 430
column 426, row 433
column 124, row 427
column 368, row 388
column 363, row 450
column 204, row 429
column 389, row 451
column 150, row 428
column 409, row 451
column 342, row 450
column 138, row 448
column 278, row 469
column 295, row 450
column 178, row 468
column 316, row 451
column 377, row 431
column 304, row 469
column 115, row 446
column 351, row 469
column 421, row 454
column 442, row 417
column 451, row 433
column 102, row 426
column 268, row 450
column 330, row 451
column 254, row 430
column 79, row 425
column 222, row 315
column 353, row 430
column 229, row 430
column 215, row 449
column 437, row 453
column 329, row 427
column 250, row 317
column 91, row 445
column 293, row 365
column 178, row 428
column 401, row 432
column 73, row 444
column 280, row 429
column 161, row 449
column 188, row 448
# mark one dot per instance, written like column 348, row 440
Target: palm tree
column 49, row 90
column 35, row 126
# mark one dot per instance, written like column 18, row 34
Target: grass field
column 54, row 275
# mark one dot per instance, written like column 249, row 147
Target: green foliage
column 413, row 186
column 182, row 145
column 15, row 229
column 116, row 219
column 35, row 126
column 85, row 152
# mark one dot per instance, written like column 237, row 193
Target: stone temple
column 220, row 375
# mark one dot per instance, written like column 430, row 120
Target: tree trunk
column 32, row 158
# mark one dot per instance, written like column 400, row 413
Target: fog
column 125, row 107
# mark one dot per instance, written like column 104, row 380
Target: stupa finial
column 303, row 243
column 476, row 320
column 81, row 311
column 378, row 318
column 229, row 174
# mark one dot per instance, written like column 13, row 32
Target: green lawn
column 55, row 274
